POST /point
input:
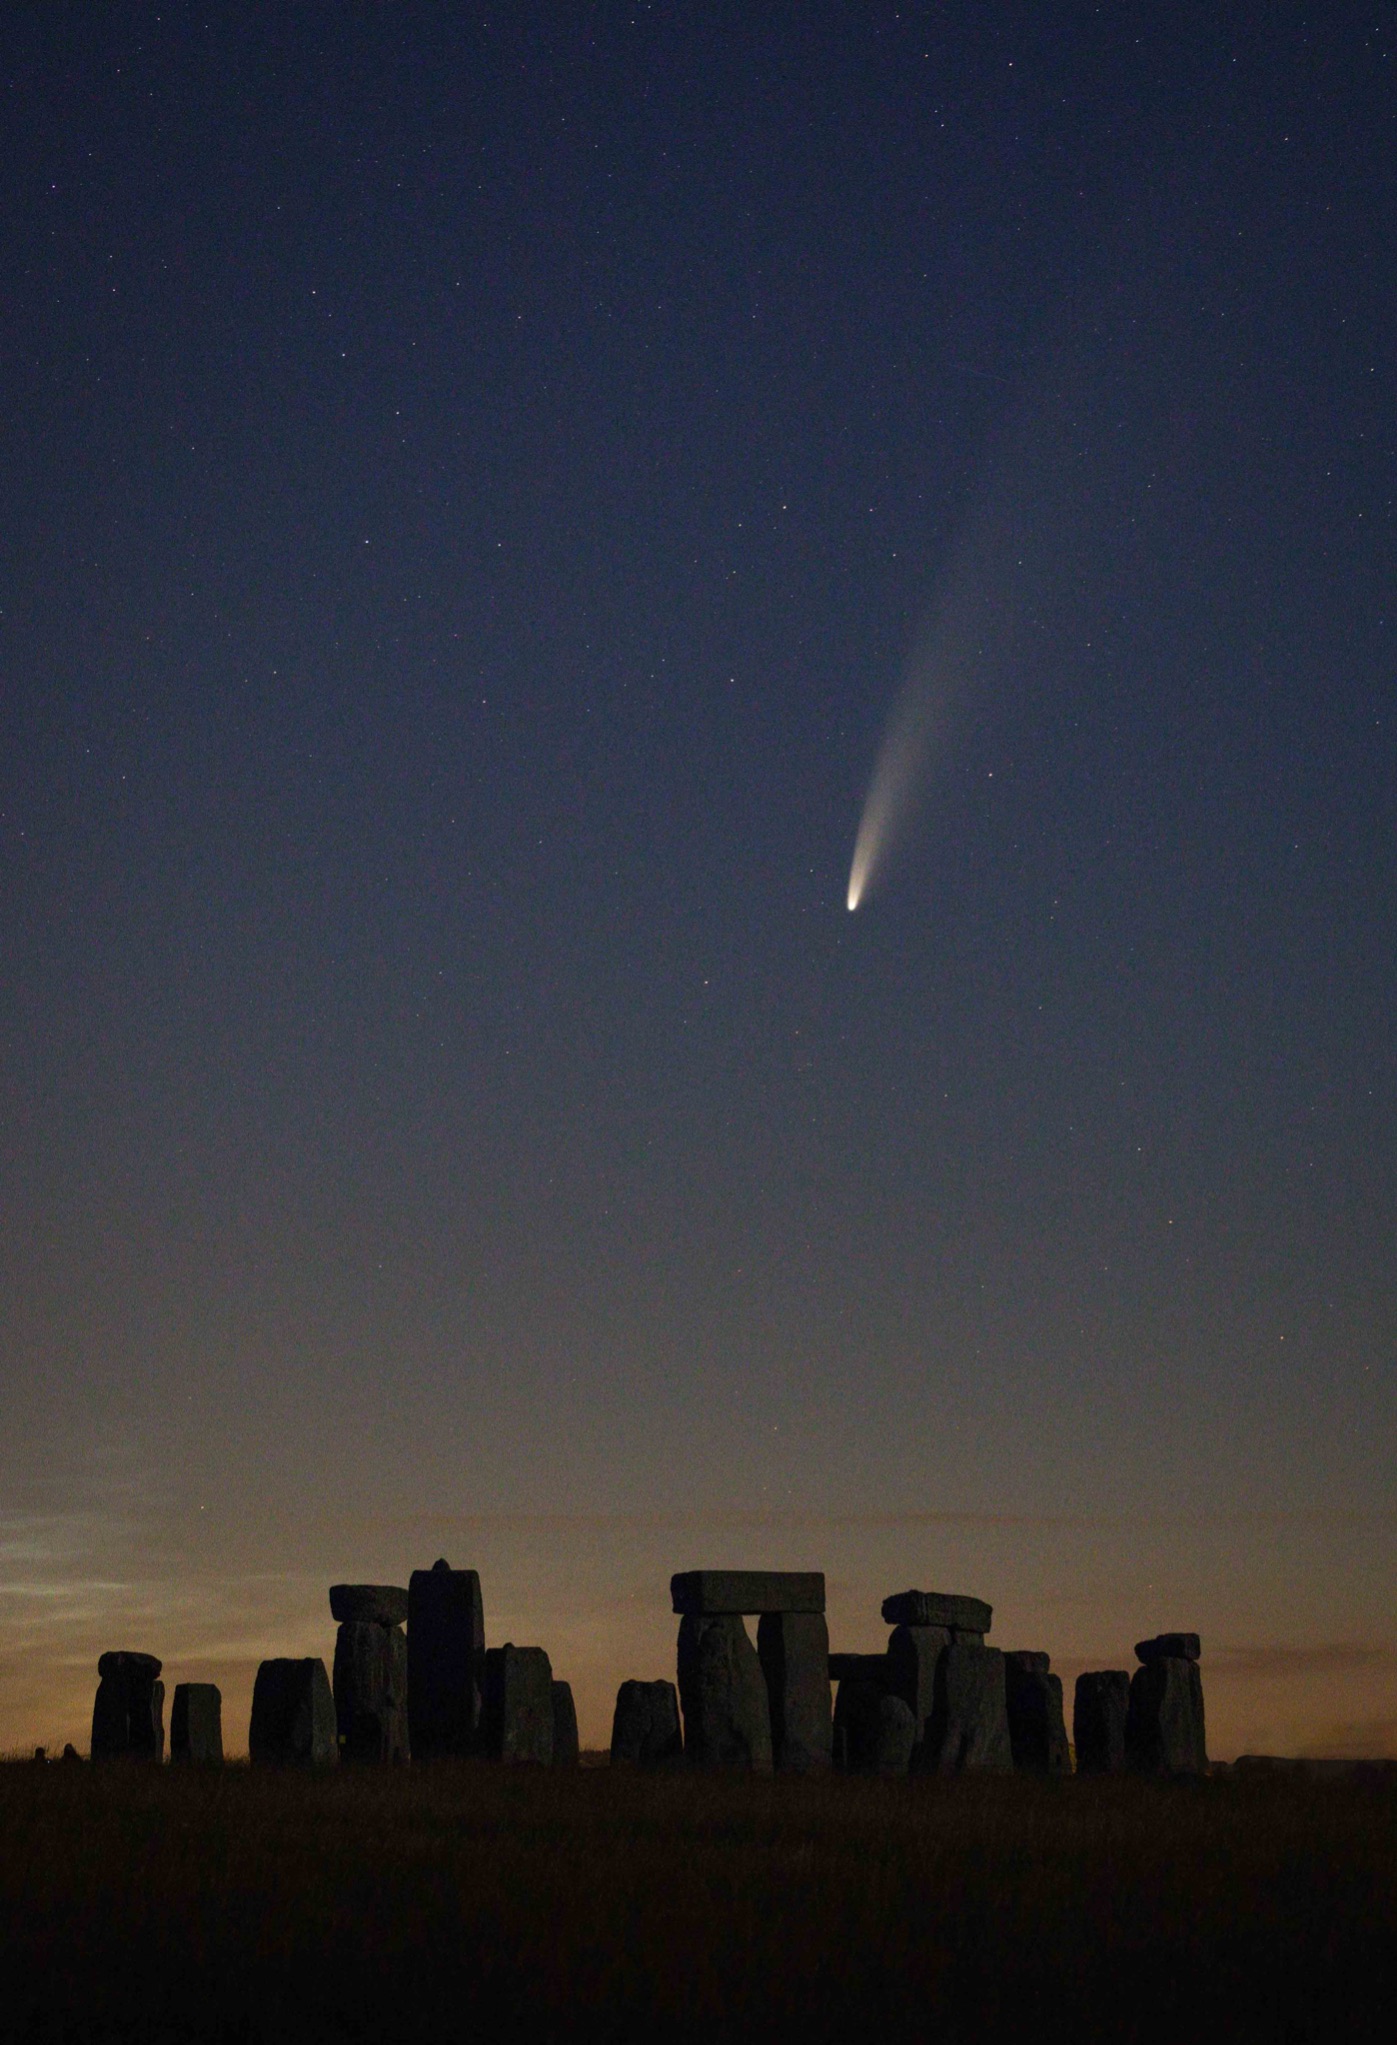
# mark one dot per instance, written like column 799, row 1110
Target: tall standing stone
column 727, row 1719
column 913, row 1660
column 445, row 1661
column 370, row 1686
column 645, row 1727
column 969, row 1726
column 293, row 1715
column 1037, row 1731
column 793, row 1648
column 1165, row 1732
column 517, row 1717
column 565, row 1741
column 128, row 1713
column 1100, row 1708
column 196, row 1724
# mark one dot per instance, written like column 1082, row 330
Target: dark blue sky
column 473, row 482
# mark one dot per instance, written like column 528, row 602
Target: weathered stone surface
column 727, row 1720
column 969, row 1726
column 645, row 1727
column 293, row 1715
column 1037, row 1732
column 196, row 1724
column 565, row 1742
column 914, row 1653
column 1029, row 1660
column 712, row 1593
column 370, row 1685
column 1164, row 1732
column 1100, row 1707
column 938, row 1608
column 445, row 1661
column 851, row 1667
column 517, row 1715
column 385, row 1604
column 874, row 1731
column 793, row 1648
column 894, row 1737
column 1180, row 1647
column 128, row 1713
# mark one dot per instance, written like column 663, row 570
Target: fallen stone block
column 715, row 1593
column 370, row 1686
column 969, row 1726
column 913, row 1658
column 1100, row 1708
column 793, row 1648
column 128, row 1713
column 1164, row 1732
column 565, row 1742
column 293, row 1715
column 382, row 1604
column 727, row 1719
column 938, row 1608
column 196, row 1724
column 517, row 1705
column 645, row 1727
column 1037, row 1730
column 1180, row 1647
column 445, row 1661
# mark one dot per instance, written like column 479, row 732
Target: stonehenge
column 293, row 1716
column 196, row 1724
column 128, row 1714
column 414, row 1679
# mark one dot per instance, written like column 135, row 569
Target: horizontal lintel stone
column 937, row 1608
column 713, row 1593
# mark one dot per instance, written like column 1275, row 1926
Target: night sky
column 475, row 487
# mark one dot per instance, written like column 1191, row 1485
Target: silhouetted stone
column 969, row 1726
column 914, row 1654
column 645, row 1727
column 895, row 1736
column 565, row 1744
column 370, row 1685
column 70, row 1753
column 793, row 1648
column 1179, row 1647
column 1037, row 1732
column 128, row 1714
column 727, row 1720
column 517, row 1718
column 715, row 1593
column 445, row 1661
column 875, row 1731
column 938, row 1608
column 40, row 1757
column 293, row 1715
column 1164, row 1733
column 196, row 1723
column 1100, row 1707
column 384, row 1604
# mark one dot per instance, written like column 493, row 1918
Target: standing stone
column 969, row 1725
column 727, row 1720
column 517, row 1716
column 128, row 1714
column 793, row 1648
column 914, row 1657
column 565, row 1744
column 293, row 1716
column 1037, row 1731
column 1184, row 1647
column 1100, row 1707
column 645, row 1727
column 875, row 1731
column 445, row 1661
column 196, row 1724
column 370, row 1686
column 717, row 1593
column 1164, row 1732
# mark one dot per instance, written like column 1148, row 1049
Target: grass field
column 480, row 1903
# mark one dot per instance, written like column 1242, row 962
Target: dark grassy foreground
column 476, row 1903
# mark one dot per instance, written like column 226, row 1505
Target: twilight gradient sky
column 473, row 485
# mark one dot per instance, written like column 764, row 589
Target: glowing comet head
column 891, row 791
